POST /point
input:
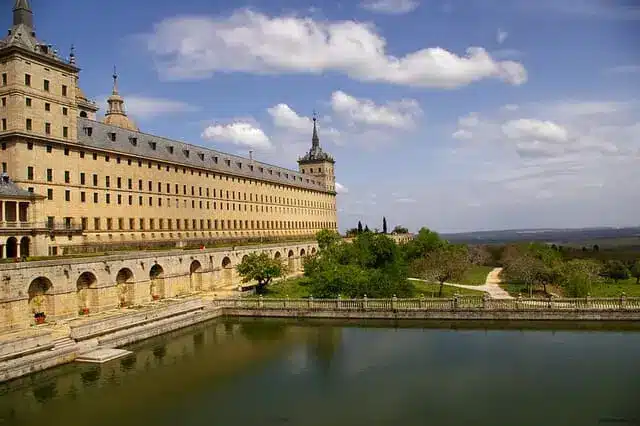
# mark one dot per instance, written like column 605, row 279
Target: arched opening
column 277, row 255
column 313, row 250
column 24, row 246
column 41, row 302
column 291, row 263
column 156, row 287
column 124, row 287
column 83, row 114
column 227, row 272
column 87, row 295
column 303, row 253
column 12, row 247
column 195, row 276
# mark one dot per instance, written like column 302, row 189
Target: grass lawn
column 611, row 289
column 431, row 290
column 476, row 275
column 294, row 288
column 291, row 287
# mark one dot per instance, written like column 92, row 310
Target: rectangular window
column 96, row 223
column 84, row 223
column 65, row 111
column 64, row 90
column 119, row 199
column 81, row 178
column 28, row 102
column 95, row 180
column 130, row 183
column 49, row 194
column 4, row 78
column 30, row 173
column 109, row 223
column 47, row 106
column 4, row 124
column 67, row 176
column 67, row 195
column 66, row 151
column 65, row 132
column 107, row 181
column 119, row 182
column 130, row 200
column 132, row 223
column 46, row 85
column 120, row 223
column 83, row 196
column 47, row 128
column 29, row 124
column 27, row 80
column 108, row 198
column 49, row 149
column 95, row 197
column 49, row 175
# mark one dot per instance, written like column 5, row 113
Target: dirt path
column 490, row 285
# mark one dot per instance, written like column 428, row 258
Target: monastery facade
column 71, row 183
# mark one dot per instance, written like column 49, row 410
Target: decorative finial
column 115, row 80
column 315, row 140
column 72, row 55
column 315, row 115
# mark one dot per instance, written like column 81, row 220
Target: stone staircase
column 62, row 344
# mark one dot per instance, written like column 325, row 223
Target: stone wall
column 64, row 288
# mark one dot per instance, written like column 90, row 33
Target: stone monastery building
column 71, row 183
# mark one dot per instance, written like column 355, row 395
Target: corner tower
column 318, row 163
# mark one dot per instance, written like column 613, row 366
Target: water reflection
column 322, row 375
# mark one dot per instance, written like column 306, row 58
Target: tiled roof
column 9, row 189
column 174, row 152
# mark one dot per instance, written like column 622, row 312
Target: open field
column 476, row 275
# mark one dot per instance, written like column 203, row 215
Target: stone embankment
column 48, row 345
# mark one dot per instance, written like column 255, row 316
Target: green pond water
column 262, row 373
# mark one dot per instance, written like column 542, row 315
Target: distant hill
column 558, row 236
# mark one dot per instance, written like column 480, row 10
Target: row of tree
column 352, row 232
column 538, row 265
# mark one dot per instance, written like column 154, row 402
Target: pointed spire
column 115, row 81
column 315, row 140
column 72, row 55
column 22, row 14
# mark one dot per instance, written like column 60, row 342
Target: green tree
column 447, row 262
column 616, row 270
column 366, row 228
column 578, row 276
column 384, row 225
column 359, row 227
column 399, row 229
column 424, row 242
column 327, row 238
column 479, row 255
column 260, row 267
column 351, row 232
column 635, row 271
column 523, row 269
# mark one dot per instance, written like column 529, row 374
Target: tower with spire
column 318, row 163
column 116, row 115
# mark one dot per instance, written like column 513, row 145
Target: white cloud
column 143, row 107
column 501, row 36
column 405, row 200
column 537, row 130
column 399, row 114
column 510, row 107
column 341, row 189
column 462, row 134
column 469, row 120
column 392, row 7
column 199, row 47
column 285, row 117
column 238, row 133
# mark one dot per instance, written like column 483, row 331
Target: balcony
column 62, row 227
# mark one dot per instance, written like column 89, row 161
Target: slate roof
column 174, row 152
column 8, row 189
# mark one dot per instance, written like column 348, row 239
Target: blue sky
column 453, row 114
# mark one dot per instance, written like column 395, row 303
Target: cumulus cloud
column 144, row 107
column 252, row 42
column 396, row 114
column 391, row 7
column 238, row 133
column 537, row 130
column 341, row 189
column 284, row 116
column 501, row 36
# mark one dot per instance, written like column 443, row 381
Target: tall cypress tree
column 359, row 227
column 384, row 225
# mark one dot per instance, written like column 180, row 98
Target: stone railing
column 456, row 303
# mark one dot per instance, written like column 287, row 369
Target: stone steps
column 63, row 343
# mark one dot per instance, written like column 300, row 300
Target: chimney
column 251, row 155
